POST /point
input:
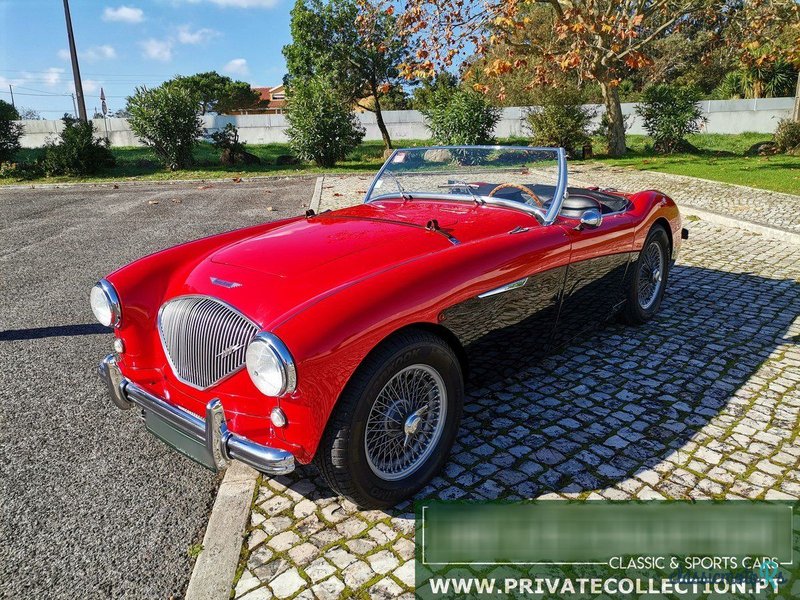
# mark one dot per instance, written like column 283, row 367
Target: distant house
column 273, row 102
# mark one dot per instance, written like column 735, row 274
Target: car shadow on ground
column 616, row 402
column 35, row 333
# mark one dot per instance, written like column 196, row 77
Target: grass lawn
column 721, row 158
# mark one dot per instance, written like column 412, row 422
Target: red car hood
column 297, row 263
column 301, row 261
column 315, row 248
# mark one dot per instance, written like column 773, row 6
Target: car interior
column 578, row 200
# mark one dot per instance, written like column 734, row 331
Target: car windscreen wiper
column 403, row 193
column 457, row 183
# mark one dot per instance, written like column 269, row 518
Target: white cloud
column 90, row 86
column 199, row 36
column 237, row 66
column 241, row 3
column 52, row 76
column 123, row 14
column 93, row 54
column 104, row 52
column 157, row 49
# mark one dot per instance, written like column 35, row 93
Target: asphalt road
column 91, row 506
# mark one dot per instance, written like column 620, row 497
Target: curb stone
column 317, row 195
column 775, row 233
column 215, row 568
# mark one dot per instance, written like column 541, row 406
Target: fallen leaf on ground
column 116, row 187
column 237, row 180
column 337, row 194
column 152, row 201
column 204, row 187
column 177, row 200
column 270, row 209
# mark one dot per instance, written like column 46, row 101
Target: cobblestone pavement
column 772, row 209
column 701, row 402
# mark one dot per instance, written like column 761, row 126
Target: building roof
column 272, row 98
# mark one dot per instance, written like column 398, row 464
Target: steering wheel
column 520, row 187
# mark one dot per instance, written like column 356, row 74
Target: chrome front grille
column 205, row 339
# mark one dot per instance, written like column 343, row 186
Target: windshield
column 518, row 176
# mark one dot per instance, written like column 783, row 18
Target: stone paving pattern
column 702, row 402
column 772, row 209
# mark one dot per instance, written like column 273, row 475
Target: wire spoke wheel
column 651, row 274
column 405, row 422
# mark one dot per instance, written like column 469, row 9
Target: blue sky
column 130, row 43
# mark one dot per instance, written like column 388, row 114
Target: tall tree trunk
column 616, row 124
column 796, row 111
column 387, row 141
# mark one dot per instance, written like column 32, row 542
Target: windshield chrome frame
column 548, row 218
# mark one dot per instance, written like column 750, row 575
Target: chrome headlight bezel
column 284, row 367
column 106, row 292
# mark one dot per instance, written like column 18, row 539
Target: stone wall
column 723, row 116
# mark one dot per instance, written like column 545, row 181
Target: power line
column 38, row 95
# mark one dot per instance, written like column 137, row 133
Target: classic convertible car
column 345, row 337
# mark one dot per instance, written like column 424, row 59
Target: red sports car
column 344, row 337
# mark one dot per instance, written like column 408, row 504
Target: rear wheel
column 395, row 423
column 649, row 280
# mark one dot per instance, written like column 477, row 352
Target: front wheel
column 649, row 280
column 394, row 425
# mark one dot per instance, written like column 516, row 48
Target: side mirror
column 591, row 218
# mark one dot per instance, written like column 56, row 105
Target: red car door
column 593, row 287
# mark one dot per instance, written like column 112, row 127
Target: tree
column 597, row 41
column 356, row 43
column 462, row 117
column 438, row 86
column 218, row 93
column 670, row 113
column 165, row 119
column 29, row 114
column 322, row 127
column 10, row 132
column 764, row 37
column 77, row 151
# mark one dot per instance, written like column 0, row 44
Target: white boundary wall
column 724, row 116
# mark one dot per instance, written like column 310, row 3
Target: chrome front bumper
column 219, row 444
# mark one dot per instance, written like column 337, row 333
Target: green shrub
column 670, row 113
column 562, row 121
column 226, row 140
column 10, row 132
column 165, row 119
column 322, row 126
column 76, row 151
column 787, row 135
column 461, row 117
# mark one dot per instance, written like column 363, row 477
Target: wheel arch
column 663, row 222
column 433, row 328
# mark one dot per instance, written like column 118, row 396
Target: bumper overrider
column 208, row 441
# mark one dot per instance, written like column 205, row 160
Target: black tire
column 637, row 309
column 342, row 454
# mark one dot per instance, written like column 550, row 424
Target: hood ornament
column 225, row 284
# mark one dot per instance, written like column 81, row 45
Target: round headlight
column 270, row 365
column 105, row 304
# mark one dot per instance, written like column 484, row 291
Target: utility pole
column 74, row 106
column 11, row 89
column 76, row 72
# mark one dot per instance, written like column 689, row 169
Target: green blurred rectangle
column 593, row 532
